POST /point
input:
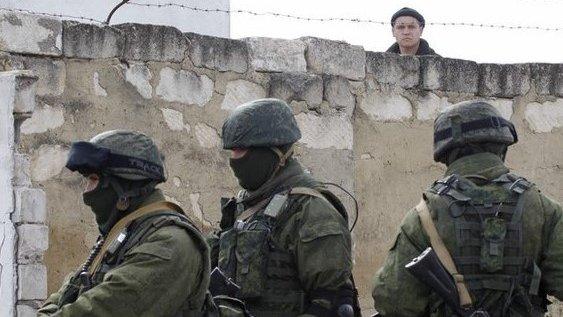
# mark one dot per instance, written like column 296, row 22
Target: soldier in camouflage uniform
column 284, row 239
column 504, row 235
column 149, row 260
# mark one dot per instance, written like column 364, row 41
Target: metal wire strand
column 55, row 15
column 340, row 19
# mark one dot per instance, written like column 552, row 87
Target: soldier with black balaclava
column 284, row 239
column 149, row 259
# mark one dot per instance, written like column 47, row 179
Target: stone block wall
column 24, row 235
column 366, row 119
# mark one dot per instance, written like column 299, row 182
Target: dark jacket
column 423, row 49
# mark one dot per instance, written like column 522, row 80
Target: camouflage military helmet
column 126, row 154
column 470, row 122
column 260, row 123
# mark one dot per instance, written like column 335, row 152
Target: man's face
column 407, row 31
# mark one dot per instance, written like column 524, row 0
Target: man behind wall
column 407, row 26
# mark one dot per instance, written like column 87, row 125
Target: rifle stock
column 220, row 284
column 428, row 269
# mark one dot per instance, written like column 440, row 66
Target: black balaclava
column 498, row 149
column 103, row 200
column 255, row 168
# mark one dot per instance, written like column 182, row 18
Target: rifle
column 220, row 284
column 428, row 269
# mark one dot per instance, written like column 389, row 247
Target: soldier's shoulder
column 171, row 240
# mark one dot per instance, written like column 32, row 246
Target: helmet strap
column 283, row 157
column 124, row 201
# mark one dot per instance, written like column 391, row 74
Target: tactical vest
column 137, row 232
column 486, row 223
column 265, row 271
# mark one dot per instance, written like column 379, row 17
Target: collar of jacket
column 136, row 203
column 485, row 164
column 423, row 48
column 291, row 175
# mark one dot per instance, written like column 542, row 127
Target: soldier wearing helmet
column 149, row 260
column 504, row 236
column 284, row 239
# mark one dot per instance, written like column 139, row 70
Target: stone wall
column 24, row 235
column 366, row 118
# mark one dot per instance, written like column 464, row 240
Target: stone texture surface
column 26, row 311
column 30, row 34
column 323, row 132
column 184, row 87
column 386, row 106
column 92, row 41
column 32, row 282
column 449, row 74
column 544, row 78
column 430, row 105
column 139, row 75
column 22, row 168
column 338, row 92
column 99, row 90
column 48, row 162
column 559, row 82
column 297, row 86
column 43, row 119
column 241, row 91
column 174, row 119
column 33, row 240
column 207, row 136
column 218, row 53
column 30, row 205
column 393, row 69
column 335, row 58
column 504, row 106
column 25, row 89
column 504, row 80
column 545, row 117
column 145, row 42
column 51, row 75
column 276, row 55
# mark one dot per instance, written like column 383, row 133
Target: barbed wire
column 341, row 19
column 283, row 15
column 55, row 15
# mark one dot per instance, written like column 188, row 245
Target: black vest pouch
column 492, row 248
column 252, row 257
column 227, row 260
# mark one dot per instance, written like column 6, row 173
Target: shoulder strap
column 247, row 213
column 126, row 221
column 438, row 245
column 308, row 191
column 324, row 194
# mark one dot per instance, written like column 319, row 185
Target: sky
column 472, row 43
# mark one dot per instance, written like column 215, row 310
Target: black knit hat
column 408, row 12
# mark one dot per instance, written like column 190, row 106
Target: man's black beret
column 408, row 12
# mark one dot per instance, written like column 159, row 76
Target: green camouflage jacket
column 313, row 254
column 397, row 293
column 160, row 276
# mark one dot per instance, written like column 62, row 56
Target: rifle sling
column 247, row 213
column 125, row 222
column 442, row 252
